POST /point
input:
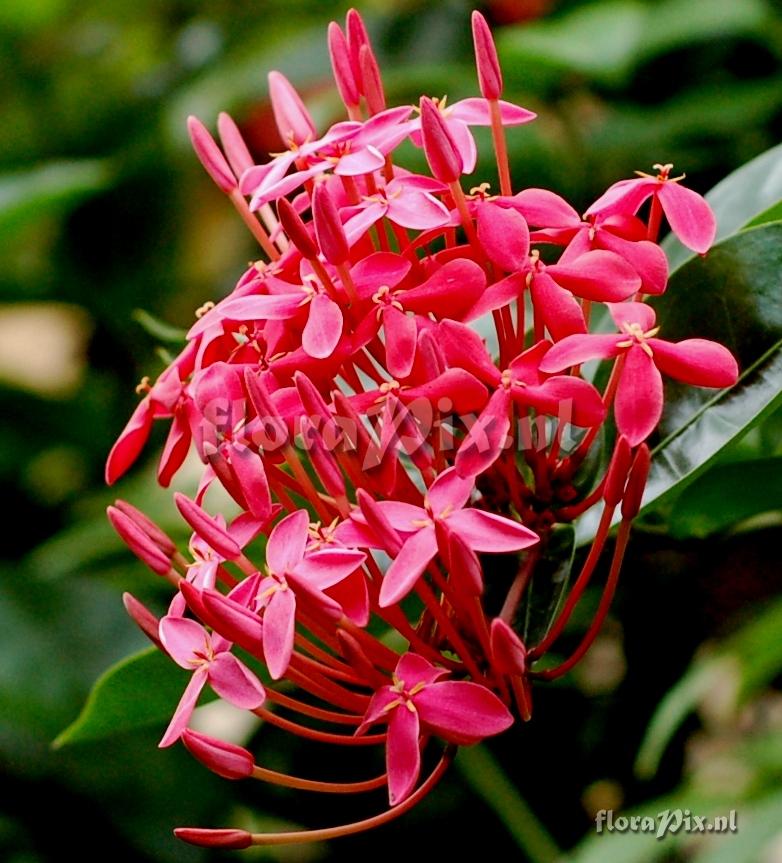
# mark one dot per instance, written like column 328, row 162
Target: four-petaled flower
column 419, row 700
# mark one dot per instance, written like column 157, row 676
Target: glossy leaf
column 752, row 486
column 548, row 585
column 139, row 691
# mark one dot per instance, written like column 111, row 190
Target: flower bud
column 138, row 542
column 616, row 476
column 372, row 83
column 205, row 526
column 342, row 67
column 161, row 539
column 236, row 151
column 509, row 654
column 210, row 156
column 142, row 617
column 224, row 759
column 294, row 122
column 230, row 839
column 295, row 228
column 489, row 72
column 357, row 37
column 328, row 227
column 439, row 147
column 636, row 482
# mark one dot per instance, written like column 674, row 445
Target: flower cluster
column 386, row 448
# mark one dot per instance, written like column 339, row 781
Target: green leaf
column 705, row 508
column 27, row 195
column 732, row 296
column 747, row 197
column 745, row 662
column 139, row 691
column 548, row 584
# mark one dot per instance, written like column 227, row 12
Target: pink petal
column 327, row 567
column 544, row 209
column 577, row 349
column 176, row 448
column 400, row 332
column 413, row 669
column 699, row 362
column 379, row 268
column 182, row 639
column 359, row 223
column 632, row 313
column 356, row 534
column 557, row 307
column 378, row 708
column 465, row 143
column 245, row 528
column 690, row 217
column 248, row 469
column 597, row 275
column 449, row 491
column 463, row 347
column 323, row 329
column 498, row 295
column 504, row 235
column 487, row 437
column 403, row 755
column 454, row 390
column 363, row 161
column 232, row 680
column 639, row 397
column 287, row 542
column 402, row 516
column 647, row 259
column 484, row 531
column 279, row 624
column 184, row 710
column 571, row 399
column 526, row 366
column 418, row 211
column 626, row 196
column 407, row 567
column 462, row 712
column 475, row 112
column 352, row 595
column 450, row 290
column 130, row 443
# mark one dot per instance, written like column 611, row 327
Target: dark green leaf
column 138, row 691
column 727, row 494
column 548, row 584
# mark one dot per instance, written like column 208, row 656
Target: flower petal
column 418, row 211
column 287, row 542
column 449, row 491
column 182, row 639
column 462, row 712
column 184, row 710
column 487, row 437
column 323, row 329
column 232, row 680
column 690, row 217
column 597, row 275
column 329, row 566
column 699, row 362
column 485, row 531
column 279, row 624
column 403, row 754
column 577, row 349
column 407, row 566
column 130, row 443
column 504, row 235
column 639, row 396
column 400, row 338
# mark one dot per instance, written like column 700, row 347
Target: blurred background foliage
column 106, row 219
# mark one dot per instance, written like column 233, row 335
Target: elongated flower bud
column 161, row 539
column 636, row 482
column 138, row 542
column 357, row 37
column 439, row 147
column 210, row 156
column 486, row 60
column 372, row 83
column 232, row 840
column 328, row 227
column 142, row 617
column 508, row 652
column 211, row 533
column 322, row 460
column 224, row 759
column 236, row 151
column 295, row 228
column 616, row 476
column 342, row 67
column 294, row 122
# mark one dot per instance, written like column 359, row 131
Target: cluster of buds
column 341, row 398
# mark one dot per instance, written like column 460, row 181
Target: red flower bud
column 161, row 539
column 138, row 542
column 372, row 83
column 341, row 66
column 235, row 149
column 636, row 482
column 616, row 476
column 328, row 227
column 229, row 839
column 224, row 759
column 206, row 527
column 295, row 228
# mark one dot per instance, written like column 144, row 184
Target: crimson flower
column 420, row 701
column 639, row 392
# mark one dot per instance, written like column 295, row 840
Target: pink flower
column 639, row 394
column 420, row 701
column 690, row 217
column 210, row 660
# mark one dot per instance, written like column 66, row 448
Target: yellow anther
column 143, row 386
column 202, row 310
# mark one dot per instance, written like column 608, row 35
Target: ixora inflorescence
column 342, row 399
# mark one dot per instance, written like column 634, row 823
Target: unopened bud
column 357, row 37
column 342, row 67
column 294, row 122
column 206, row 527
column 236, row 151
column 161, row 539
column 328, row 227
column 229, row 839
column 636, row 483
column 224, row 759
column 441, row 152
column 486, row 60
column 295, row 228
column 509, row 654
column 138, row 542
column 616, row 476
column 372, row 83
column 210, row 156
